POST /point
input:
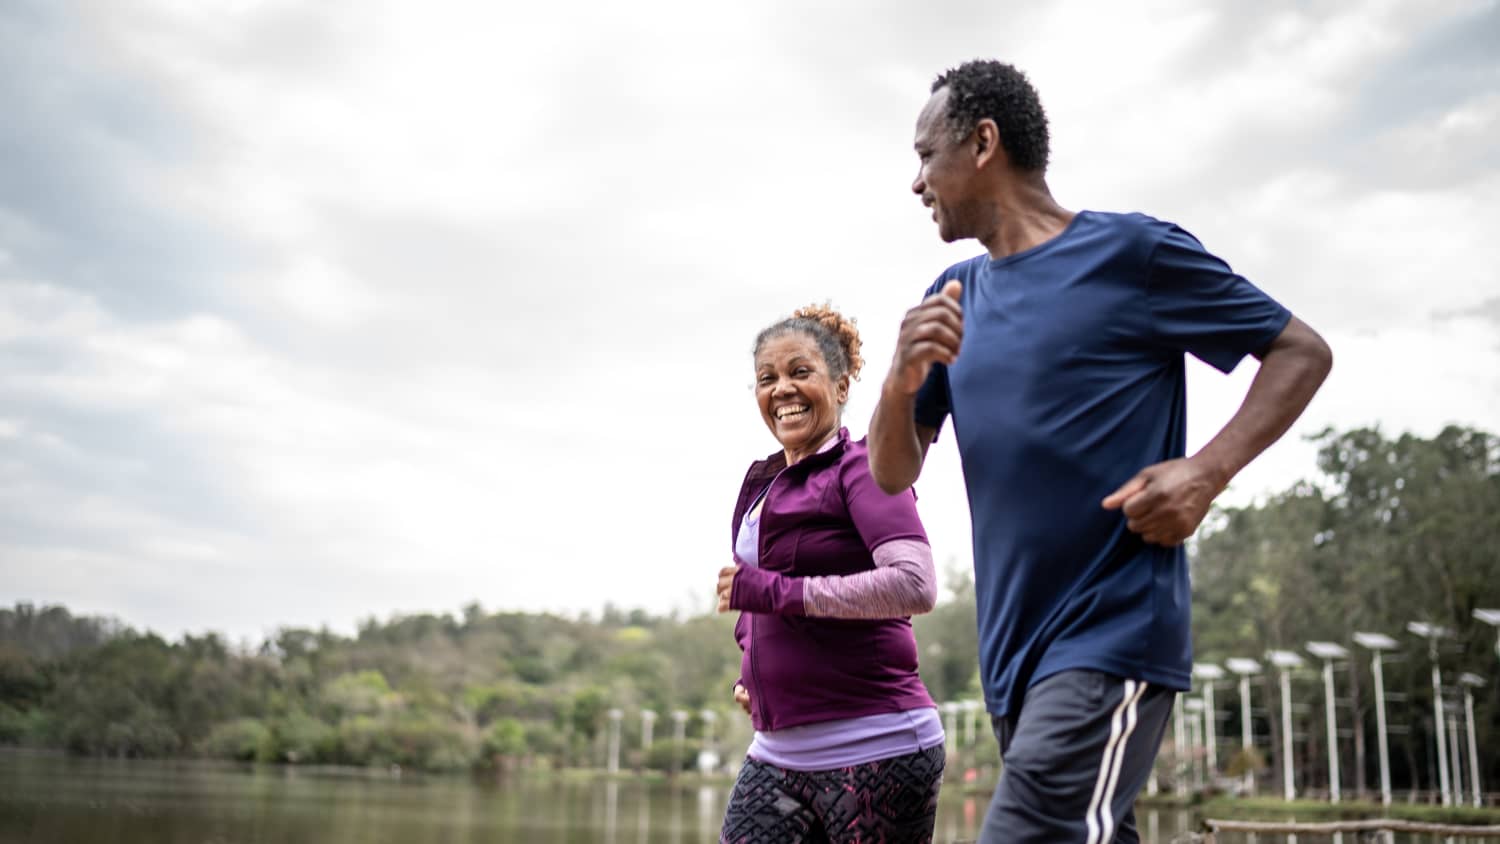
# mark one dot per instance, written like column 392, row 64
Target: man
column 1060, row 355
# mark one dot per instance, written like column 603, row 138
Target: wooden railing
column 1212, row 827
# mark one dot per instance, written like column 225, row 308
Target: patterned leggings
column 889, row 801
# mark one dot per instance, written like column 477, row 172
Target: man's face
column 946, row 176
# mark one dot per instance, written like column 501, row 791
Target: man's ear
column 986, row 140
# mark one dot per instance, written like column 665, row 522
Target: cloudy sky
column 317, row 311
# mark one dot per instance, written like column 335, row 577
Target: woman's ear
column 842, row 392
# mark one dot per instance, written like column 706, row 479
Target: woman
column 848, row 744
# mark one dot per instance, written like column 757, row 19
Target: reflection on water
column 46, row 798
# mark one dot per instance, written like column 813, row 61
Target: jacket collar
column 765, row 470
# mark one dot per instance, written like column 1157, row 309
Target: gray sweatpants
column 1075, row 756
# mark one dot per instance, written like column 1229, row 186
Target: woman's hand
column 742, row 697
column 726, row 586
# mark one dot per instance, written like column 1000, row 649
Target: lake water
column 52, row 799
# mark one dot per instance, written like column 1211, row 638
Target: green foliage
column 243, row 739
column 299, row 737
column 506, row 737
column 664, row 754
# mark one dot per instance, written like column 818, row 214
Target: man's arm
column 898, row 445
column 930, row 333
column 1166, row 502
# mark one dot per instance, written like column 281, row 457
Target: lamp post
column 1470, row 682
column 1375, row 643
column 614, row 740
column 679, row 737
column 648, row 722
column 1179, row 742
column 1455, row 755
column 1328, row 652
column 1432, row 632
column 1208, row 673
column 1194, row 707
column 1286, row 661
column 1245, row 668
column 971, row 720
column 1492, row 618
column 708, row 758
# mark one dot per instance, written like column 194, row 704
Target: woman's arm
column 903, row 582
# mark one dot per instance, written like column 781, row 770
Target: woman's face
column 799, row 401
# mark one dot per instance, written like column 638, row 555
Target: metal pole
column 679, row 738
column 1473, row 748
column 1385, row 753
column 1247, row 738
column 1437, row 714
column 1179, row 743
column 1456, row 758
column 1197, row 730
column 648, row 722
column 1333, row 733
column 1287, row 777
column 614, row 740
column 1208, row 725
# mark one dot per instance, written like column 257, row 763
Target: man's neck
column 1024, row 216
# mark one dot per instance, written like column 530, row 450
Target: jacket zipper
column 760, row 552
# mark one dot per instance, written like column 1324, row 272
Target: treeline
column 432, row 692
column 1392, row 531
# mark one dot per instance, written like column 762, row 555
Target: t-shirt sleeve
column 878, row 517
column 1200, row 306
column 933, row 402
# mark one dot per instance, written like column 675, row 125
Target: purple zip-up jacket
column 822, row 516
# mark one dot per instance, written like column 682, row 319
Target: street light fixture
column 1328, row 652
column 1492, row 618
column 1470, row 682
column 1245, row 668
column 1208, row 673
column 1432, row 633
column 1375, row 643
column 1286, row 661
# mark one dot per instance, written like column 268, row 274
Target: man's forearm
column 1291, row 371
column 896, row 451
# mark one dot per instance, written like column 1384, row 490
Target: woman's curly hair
column 836, row 336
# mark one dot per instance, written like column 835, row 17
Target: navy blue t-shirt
column 1069, row 381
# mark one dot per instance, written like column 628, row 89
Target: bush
column 365, row 741
column 664, row 752
column 242, row 739
column 299, row 737
column 24, row 726
column 433, row 745
column 505, row 737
